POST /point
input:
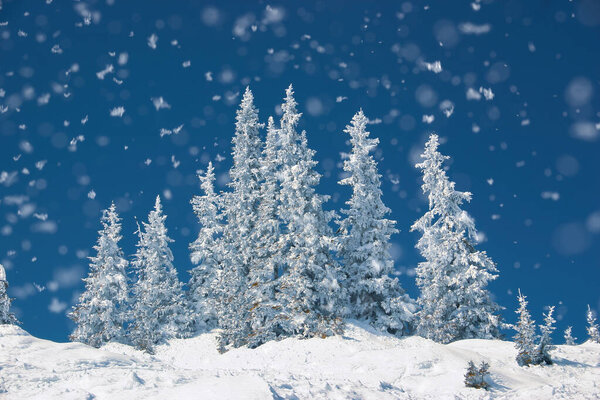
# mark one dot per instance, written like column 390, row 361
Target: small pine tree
column 592, row 329
column 569, row 339
column 101, row 313
column 471, row 375
column 159, row 310
column 525, row 339
column 453, row 278
column 545, row 345
column 477, row 377
column 6, row 317
column 206, row 253
column 365, row 241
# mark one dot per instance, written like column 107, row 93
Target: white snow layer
column 361, row 364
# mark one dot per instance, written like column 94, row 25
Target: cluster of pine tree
column 534, row 349
column 151, row 309
column 268, row 264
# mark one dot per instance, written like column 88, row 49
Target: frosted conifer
column 526, row 338
column 569, row 339
column 101, row 313
column 545, row 345
column 592, row 329
column 364, row 242
column 477, row 377
column 310, row 291
column 6, row 317
column 205, row 286
column 242, row 213
column 453, row 278
column 159, row 311
column 265, row 311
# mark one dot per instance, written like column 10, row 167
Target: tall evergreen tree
column 265, row 311
column 453, row 279
column 101, row 313
column 365, row 241
column 525, row 339
column 207, row 254
column 6, row 317
column 545, row 346
column 159, row 310
column 592, row 329
column 242, row 212
column 310, row 290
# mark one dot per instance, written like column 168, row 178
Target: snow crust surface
column 361, row 364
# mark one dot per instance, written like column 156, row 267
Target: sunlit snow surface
column 359, row 365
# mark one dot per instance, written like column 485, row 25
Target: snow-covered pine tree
column 471, row 376
column 545, row 345
column 526, row 338
column 454, row 299
column 265, row 312
column 310, row 291
column 159, row 311
column 477, row 377
column 6, row 317
column 101, row 313
column 569, row 339
column 592, row 329
column 204, row 287
column 241, row 211
column 364, row 242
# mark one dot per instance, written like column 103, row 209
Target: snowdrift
column 362, row 364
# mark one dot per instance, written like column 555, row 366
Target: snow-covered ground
column 359, row 365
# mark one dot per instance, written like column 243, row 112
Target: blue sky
column 529, row 154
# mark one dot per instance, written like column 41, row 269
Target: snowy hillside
column 360, row 364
